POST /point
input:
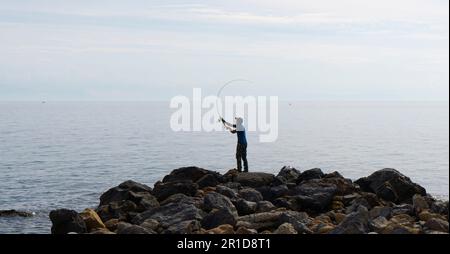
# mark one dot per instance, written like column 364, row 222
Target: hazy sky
column 296, row 49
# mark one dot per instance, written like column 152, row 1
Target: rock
column 419, row 204
column 246, row 231
column 214, row 200
column 288, row 174
column 271, row 193
column 261, row 221
column 297, row 219
column 150, row 224
column 65, row 221
column 92, row 220
column 130, row 229
column 112, row 224
column 227, row 192
column 437, row 225
column 439, row 207
column 15, row 213
column 355, row 223
column 170, row 214
column 164, row 190
column 178, row 198
column 184, row 227
column 315, row 173
column 250, row 194
column 208, row 181
column 254, row 179
column 427, row 215
column 102, row 231
column 402, row 209
column 379, row 224
column 143, row 200
column 123, row 210
column 339, row 217
column 264, row 206
column 377, row 211
column 313, row 195
column 245, row 207
column 192, row 174
column 391, row 185
column 325, row 229
column 285, row 229
column 122, row 192
column 222, row 229
column 218, row 217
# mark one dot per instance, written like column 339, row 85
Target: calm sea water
column 65, row 154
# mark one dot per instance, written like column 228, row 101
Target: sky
column 294, row 49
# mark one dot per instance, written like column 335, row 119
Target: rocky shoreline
column 193, row 200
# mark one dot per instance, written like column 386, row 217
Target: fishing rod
column 220, row 91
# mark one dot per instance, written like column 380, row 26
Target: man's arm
column 231, row 129
column 227, row 124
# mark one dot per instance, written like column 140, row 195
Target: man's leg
column 239, row 157
column 244, row 157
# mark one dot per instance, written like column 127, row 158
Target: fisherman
column 241, row 149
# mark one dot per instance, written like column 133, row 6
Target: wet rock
column 355, row 223
column 66, row 221
column 285, row 229
column 245, row 207
column 92, row 220
column 250, row 194
column 288, row 174
column 15, row 213
column 254, row 179
column 315, row 173
column 164, row 190
column 437, row 225
column 391, row 185
column 264, row 206
column 219, row 217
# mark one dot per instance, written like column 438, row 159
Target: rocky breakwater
column 193, row 200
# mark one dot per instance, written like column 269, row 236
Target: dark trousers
column 241, row 154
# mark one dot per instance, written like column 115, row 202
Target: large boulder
column 250, row 194
column 122, row 192
column 219, row 217
column 313, row 195
column 226, row 191
column 66, row 221
column 271, row 193
column 189, row 173
column 315, row 173
column 391, row 185
column 245, row 207
column 92, row 220
column 285, row 229
column 214, row 200
column 163, row 190
column 288, row 174
column 170, row 214
column 184, row 227
column 123, row 210
column 355, row 223
column 254, row 179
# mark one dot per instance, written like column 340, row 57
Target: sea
column 66, row 154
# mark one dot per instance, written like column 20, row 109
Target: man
column 241, row 149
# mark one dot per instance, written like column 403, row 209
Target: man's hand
column 223, row 120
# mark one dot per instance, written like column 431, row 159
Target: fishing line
column 220, row 91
